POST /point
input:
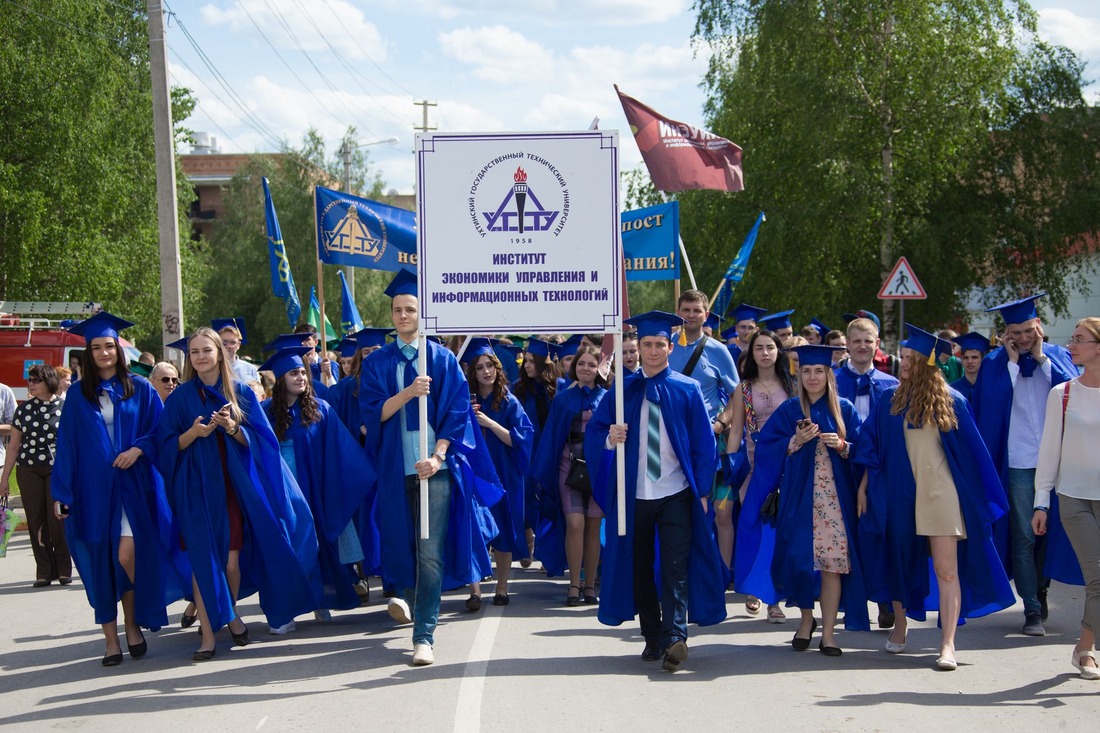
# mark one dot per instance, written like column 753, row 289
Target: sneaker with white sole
column 423, row 654
column 280, row 630
column 399, row 611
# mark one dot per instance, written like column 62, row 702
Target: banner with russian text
column 651, row 242
column 681, row 157
column 519, row 232
column 358, row 232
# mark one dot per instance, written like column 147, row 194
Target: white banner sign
column 519, row 232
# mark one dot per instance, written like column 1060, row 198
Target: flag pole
column 714, row 297
column 620, row 449
column 422, row 370
column 322, row 337
column 687, row 262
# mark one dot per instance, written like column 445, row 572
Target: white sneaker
column 423, row 654
column 323, row 615
column 399, row 611
column 280, row 630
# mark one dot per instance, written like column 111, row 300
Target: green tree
column 865, row 125
column 78, row 215
column 238, row 282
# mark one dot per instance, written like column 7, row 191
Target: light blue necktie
column 653, row 444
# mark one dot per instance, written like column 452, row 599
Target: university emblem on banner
column 352, row 235
column 532, row 200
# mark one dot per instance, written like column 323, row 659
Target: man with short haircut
column 231, row 331
column 389, row 388
column 744, row 319
column 837, row 338
column 670, row 462
column 779, row 324
column 1009, row 401
column 972, row 349
column 859, row 382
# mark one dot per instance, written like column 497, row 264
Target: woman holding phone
column 234, row 497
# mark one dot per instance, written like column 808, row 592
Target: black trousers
column 666, row 522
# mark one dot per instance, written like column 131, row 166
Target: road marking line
column 468, row 710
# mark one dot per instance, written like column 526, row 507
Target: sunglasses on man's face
column 170, row 380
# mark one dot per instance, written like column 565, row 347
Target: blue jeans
column 668, row 521
column 1025, row 568
column 423, row 600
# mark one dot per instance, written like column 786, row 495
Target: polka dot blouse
column 37, row 421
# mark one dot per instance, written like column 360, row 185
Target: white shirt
column 862, row 402
column 1070, row 462
column 1025, row 426
column 672, row 480
column 244, row 371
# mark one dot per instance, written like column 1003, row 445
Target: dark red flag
column 681, row 157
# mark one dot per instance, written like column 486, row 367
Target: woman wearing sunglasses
column 30, row 452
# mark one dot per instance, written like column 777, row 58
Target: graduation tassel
column 683, row 337
column 932, row 358
column 790, row 363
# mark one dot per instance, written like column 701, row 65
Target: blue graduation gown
column 530, row 406
column 896, row 561
column 963, row 387
column 96, row 494
column 735, row 352
column 279, row 557
column 336, row 479
column 689, row 431
column 991, row 402
column 474, row 483
column 550, row 533
column 777, row 563
column 847, row 384
column 512, row 463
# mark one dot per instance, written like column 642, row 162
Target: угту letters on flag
column 350, row 321
column 736, row 269
column 282, row 282
column 651, row 242
column 681, row 157
column 357, row 232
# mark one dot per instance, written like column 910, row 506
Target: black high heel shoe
column 801, row 645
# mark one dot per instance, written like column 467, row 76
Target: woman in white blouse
column 1068, row 461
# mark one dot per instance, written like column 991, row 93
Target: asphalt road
column 535, row 665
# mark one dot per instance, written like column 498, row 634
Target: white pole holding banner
column 620, row 449
column 687, row 262
column 422, row 370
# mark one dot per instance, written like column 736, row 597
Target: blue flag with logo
column 736, row 270
column 358, row 232
column 282, row 282
column 651, row 242
column 349, row 314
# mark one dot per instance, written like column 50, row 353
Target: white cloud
column 312, row 22
column 497, row 53
column 1068, row 29
column 559, row 12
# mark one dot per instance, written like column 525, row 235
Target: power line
column 213, row 122
column 287, row 65
column 324, row 79
column 351, row 72
column 373, row 62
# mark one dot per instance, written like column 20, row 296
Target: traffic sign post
column 902, row 284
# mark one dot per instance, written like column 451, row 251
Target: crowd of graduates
column 802, row 470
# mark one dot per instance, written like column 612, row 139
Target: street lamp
column 345, row 151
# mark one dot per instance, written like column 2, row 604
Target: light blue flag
column 736, row 269
column 363, row 233
column 350, row 321
column 282, row 282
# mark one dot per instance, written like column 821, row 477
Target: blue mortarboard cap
column 655, row 323
column 514, row 351
column 1018, row 311
column 713, row 322
column 286, row 340
column 776, row 321
column 569, row 346
column 973, row 340
column 479, row 346
column 347, row 347
column 746, row 312
column 813, row 354
column 238, row 323
column 925, row 343
column 369, row 336
column 438, row 339
column 820, row 327
column 849, row 317
column 286, row 359
column 99, row 325
column 538, row 347
column 179, row 344
column 730, row 333
column 403, row 283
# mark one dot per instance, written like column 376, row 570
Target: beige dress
column 937, row 507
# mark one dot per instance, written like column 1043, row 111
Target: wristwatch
column 442, row 458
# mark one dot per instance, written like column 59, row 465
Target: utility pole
column 171, row 287
column 424, row 104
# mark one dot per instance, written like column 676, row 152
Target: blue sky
column 539, row 65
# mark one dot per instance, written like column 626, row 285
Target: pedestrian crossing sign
column 902, row 284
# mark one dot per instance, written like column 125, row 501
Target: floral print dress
column 830, row 534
